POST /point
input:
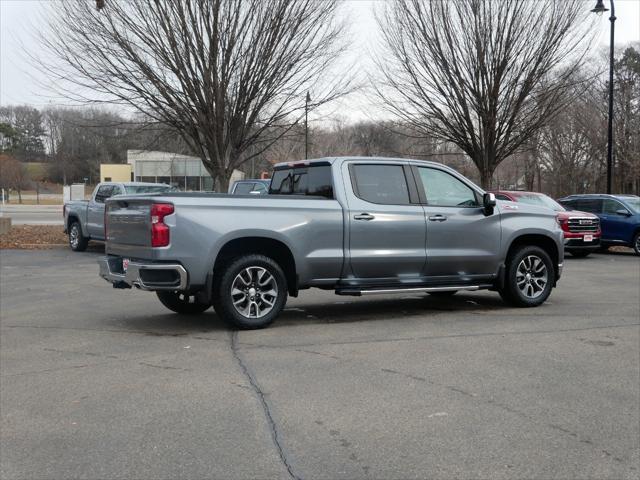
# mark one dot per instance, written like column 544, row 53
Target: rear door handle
column 437, row 218
column 364, row 216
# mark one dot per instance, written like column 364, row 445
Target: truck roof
column 331, row 160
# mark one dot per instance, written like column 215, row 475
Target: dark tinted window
column 501, row 196
column 313, row 181
column 593, row 205
column 104, row 192
column 243, row 188
column 383, row 184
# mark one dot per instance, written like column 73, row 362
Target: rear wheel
column 77, row 241
column 250, row 292
column 529, row 277
column 579, row 253
column 636, row 243
column 181, row 302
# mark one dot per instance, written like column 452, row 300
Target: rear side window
column 382, row 184
column 312, row 181
column 147, row 188
column 243, row 188
column 592, row 205
column 104, row 192
column 501, row 196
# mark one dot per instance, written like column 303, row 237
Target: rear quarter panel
column 312, row 229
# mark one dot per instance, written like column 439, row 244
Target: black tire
column 636, row 243
column 181, row 302
column 514, row 294
column 603, row 248
column 444, row 294
column 261, row 300
column 77, row 241
column 579, row 253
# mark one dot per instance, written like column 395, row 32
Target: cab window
column 445, row 190
column 104, row 192
column 381, row 184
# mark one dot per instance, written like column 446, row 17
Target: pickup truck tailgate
column 128, row 222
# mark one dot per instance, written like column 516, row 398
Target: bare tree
column 482, row 74
column 223, row 73
column 13, row 175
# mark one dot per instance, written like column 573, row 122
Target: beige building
column 182, row 171
column 116, row 172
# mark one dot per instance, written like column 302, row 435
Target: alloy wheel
column 532, row 276
column 254, row 292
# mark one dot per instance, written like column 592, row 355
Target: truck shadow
column 347, row 311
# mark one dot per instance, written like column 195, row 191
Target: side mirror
column 623, row 212
column 489, row 203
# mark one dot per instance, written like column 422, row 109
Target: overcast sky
column 19, row 18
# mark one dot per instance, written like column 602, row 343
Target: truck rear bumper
column 143, row 275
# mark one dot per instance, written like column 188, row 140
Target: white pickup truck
column 84, row 219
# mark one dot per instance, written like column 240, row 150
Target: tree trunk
column 486, row 177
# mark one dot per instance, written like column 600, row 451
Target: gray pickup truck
column 354, row 225
column 84, row 219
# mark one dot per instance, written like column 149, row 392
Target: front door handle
column 364, row 216
column 437, row 218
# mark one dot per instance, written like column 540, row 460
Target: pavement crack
column 437, row 337
column 273, row 428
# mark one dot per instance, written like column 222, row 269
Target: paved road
column 102, row 383
column 33, row 214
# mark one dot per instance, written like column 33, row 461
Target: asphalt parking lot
column 99, row 383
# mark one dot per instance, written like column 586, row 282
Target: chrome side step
column 356, row 292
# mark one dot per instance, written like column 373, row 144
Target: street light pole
column 600, row 9
column 306, row 126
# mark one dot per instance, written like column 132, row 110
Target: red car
column 581, row 229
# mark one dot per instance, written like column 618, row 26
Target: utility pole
column 600, row 9
column 306, row 126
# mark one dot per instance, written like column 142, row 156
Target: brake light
column 159, row 231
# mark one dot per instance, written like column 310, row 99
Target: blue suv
column 619, row 216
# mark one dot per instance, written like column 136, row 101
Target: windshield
column 147, row 188
column 633, row 203
column 541, row 201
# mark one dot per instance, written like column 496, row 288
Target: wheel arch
column 74, row 217
column 545, row 242
column 267, row 246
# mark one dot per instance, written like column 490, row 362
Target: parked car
column 84, row 219
column 619, row 216
column 581, row 229
column 250, row 187
column 358, row 226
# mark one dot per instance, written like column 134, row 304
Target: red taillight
column 159, row 231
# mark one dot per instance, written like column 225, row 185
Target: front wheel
column 250, row 291
column 181, row 302
column 77, row 241
column 529, row 277
column 636, row 243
